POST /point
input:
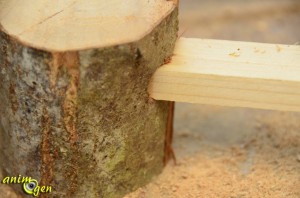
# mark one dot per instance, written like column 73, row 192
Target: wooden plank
column 231, row 73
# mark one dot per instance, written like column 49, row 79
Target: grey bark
column 82, row 121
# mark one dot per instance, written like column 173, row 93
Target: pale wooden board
column 67, row 25
column 231, row 73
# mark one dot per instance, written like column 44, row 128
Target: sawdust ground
column 231, row 152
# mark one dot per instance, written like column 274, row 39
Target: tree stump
column 74, row 108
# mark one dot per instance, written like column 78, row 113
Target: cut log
column 74, row 109
column 231, row 73
column 80, row 24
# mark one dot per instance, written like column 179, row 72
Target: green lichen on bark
column 120, row 130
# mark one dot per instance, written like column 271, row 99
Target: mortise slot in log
column 231, row 73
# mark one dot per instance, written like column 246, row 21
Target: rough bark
column 82, row 121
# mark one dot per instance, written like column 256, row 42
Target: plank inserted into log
column 74, row 109
column 231, row 73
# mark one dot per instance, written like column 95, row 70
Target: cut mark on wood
column 70, row 60
column 231, row 73
column 47, row 159
column 39, row 23
column 57, row 62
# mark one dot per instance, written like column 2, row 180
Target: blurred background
column 234, row 152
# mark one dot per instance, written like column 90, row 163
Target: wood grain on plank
column 231, row 73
